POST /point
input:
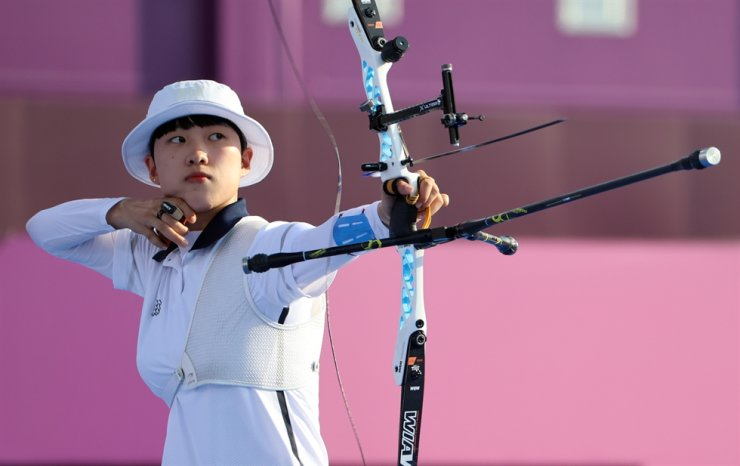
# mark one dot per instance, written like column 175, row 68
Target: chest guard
column 231, row 342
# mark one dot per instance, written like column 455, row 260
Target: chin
column 197, row 201
column 200, row 206
column 200, row 203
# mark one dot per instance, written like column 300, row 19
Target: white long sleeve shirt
column 212, row 424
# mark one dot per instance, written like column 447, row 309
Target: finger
column 168, row 232
column 154, row 238
column 403, row 187
column 178, row 227
column 422, row 176
column 428, row 192
column 443, row 200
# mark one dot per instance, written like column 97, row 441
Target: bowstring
column 330, row 134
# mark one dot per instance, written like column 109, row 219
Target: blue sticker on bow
column 352, row 229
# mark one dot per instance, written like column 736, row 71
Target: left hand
column 429, row 197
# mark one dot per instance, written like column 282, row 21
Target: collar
column 219, row 225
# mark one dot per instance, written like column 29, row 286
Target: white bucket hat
column 200, row 97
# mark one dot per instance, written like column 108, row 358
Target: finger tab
column 171, row 210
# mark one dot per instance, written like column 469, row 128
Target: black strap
column 283, row 315
column 288, row 426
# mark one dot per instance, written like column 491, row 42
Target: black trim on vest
column 162, row 255
column 288, row 426
column 283, row 315
column 219, row 225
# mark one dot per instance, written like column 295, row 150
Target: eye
column 216, row 137
column 177, row 140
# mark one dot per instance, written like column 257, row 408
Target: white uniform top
column 212, row 424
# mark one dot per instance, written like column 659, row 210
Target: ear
column 246, row 160
column 149, row 160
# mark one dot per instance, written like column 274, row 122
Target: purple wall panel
column 70, row 46
column 685, row 55
column 247, row 52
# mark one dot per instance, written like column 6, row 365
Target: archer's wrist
column 112, row 217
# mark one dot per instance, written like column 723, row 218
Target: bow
column 377, row 56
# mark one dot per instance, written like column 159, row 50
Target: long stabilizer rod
column 697, row 160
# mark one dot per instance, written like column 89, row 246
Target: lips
column 198, row 177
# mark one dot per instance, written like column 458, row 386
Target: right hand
column 140, row 216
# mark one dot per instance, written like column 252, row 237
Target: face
column 202, row 166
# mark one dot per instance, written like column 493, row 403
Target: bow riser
column 392, row 151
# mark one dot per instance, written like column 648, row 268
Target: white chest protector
column 231, row 342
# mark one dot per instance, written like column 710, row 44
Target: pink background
column 569, row 352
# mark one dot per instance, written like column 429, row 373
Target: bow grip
column 403, row 211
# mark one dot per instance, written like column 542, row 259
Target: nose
column 197, row 157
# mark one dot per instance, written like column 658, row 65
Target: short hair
column 188, row 122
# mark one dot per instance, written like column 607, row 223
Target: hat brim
column 135, row 147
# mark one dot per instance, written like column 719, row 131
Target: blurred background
column 610, row 338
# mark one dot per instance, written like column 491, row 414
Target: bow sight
column 391, row 52
column 380, row 120
column 451, row 119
